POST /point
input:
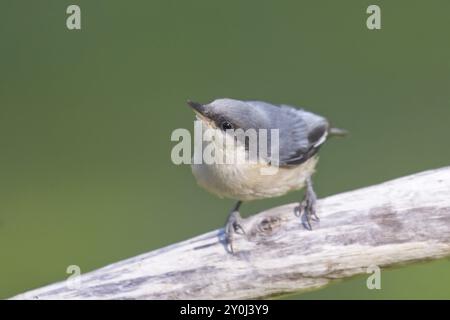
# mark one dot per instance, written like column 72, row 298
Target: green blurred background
column 86, row 118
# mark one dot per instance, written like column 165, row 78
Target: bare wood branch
column 402, row 221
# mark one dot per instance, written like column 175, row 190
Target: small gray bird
column 301, row 134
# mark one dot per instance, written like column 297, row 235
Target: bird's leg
column 233, row 225
column 308, row 204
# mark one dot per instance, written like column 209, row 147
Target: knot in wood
column 268, row 226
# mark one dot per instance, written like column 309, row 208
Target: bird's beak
column 197, row 107
column 202, row 113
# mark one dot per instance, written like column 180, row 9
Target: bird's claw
column 308, row 210
column 308, row 206
column 233, row 226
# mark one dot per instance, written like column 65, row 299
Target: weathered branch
column 401, row 221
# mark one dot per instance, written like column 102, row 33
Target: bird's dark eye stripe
column 226, row 125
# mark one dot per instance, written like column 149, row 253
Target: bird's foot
column 233, row 225
column 307, row 208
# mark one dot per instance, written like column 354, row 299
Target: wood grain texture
column 401, row 221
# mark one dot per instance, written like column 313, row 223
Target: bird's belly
column 246, row 182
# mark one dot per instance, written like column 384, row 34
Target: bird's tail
column 336, row 132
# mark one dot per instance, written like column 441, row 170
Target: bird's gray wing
column 301, row 135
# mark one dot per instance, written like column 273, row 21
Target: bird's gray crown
column 239, row 114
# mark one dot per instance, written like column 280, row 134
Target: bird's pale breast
column 246, row 182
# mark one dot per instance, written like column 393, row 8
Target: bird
column 301, row 134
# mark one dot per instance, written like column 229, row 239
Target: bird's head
column 230, row 114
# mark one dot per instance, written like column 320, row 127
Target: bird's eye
column 226, row 125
